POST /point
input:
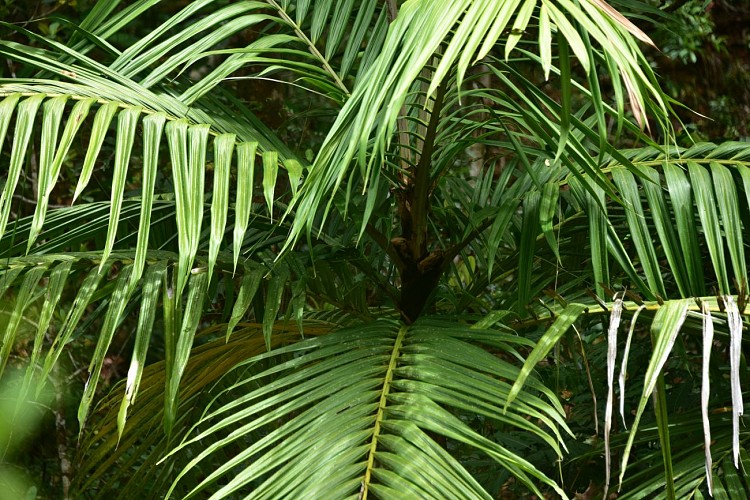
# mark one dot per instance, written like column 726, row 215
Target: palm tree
column 376, row 319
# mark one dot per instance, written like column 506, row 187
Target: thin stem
column 380, row 239
column 422, row 181
column 456, row 249
column 392, row 6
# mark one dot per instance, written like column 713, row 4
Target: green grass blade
column 194, row 306
column 250, row 283
column 519, row 25
column 223, row 149
column 664, row 223
column 662, row 423
column 545, row 39
column 566, row 318
column 273, row 298
column 729, row 209
column 177, row 132
column 53, row 110
column 338, row 26
column 139, row 51
column 198, row 137
column 687, row 232
column 664, row 330
column 529, row 232
column 294, row 172
column 153, row 127
column 547, row 210
column 569, row 35
column 117, row 304
column 734, row 484
column 98, row 133
column 171, row 326
column 598, row 221
column 151, row 286
column 243, row 203
column 497, row 231
column 319, row 19
column 126, row 125
column 25, row 294
column 270, row 171
column 7, row 106
column 57, row 279
column 53, row 155
column 360, row 29
column 744, row 171
column 77, row 115
column 639, row 230
column 24, row 126
column 81, row 303
column 706, row 204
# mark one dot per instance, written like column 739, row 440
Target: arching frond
column 402, row 386
column 484, row 195
column 427, row 31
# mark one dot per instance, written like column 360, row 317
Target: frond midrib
column 387, row 383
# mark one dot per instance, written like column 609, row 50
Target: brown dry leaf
column 635, row 102
column 624, row 22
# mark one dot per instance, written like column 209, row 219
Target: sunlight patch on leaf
column 153, row 126
column 126, row 126
column 150, row 294
column 623, row 21
column 98, row 133
column 243, row 203
column 24, row 126
column 223, row 149
column 52, row 116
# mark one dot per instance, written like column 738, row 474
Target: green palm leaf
column 446, row 160
column 399, row 383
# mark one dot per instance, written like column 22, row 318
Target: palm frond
column 690, row 475
column 375, row 108
column 113, row 438
column 402, row 386
column 111, row 287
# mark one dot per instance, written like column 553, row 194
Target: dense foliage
column 339, row 249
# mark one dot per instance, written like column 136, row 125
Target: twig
column 380, row 239
column 33, row 202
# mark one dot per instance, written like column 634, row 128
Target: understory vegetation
column 373, row 249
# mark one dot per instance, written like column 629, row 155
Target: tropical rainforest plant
column 412, row 307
